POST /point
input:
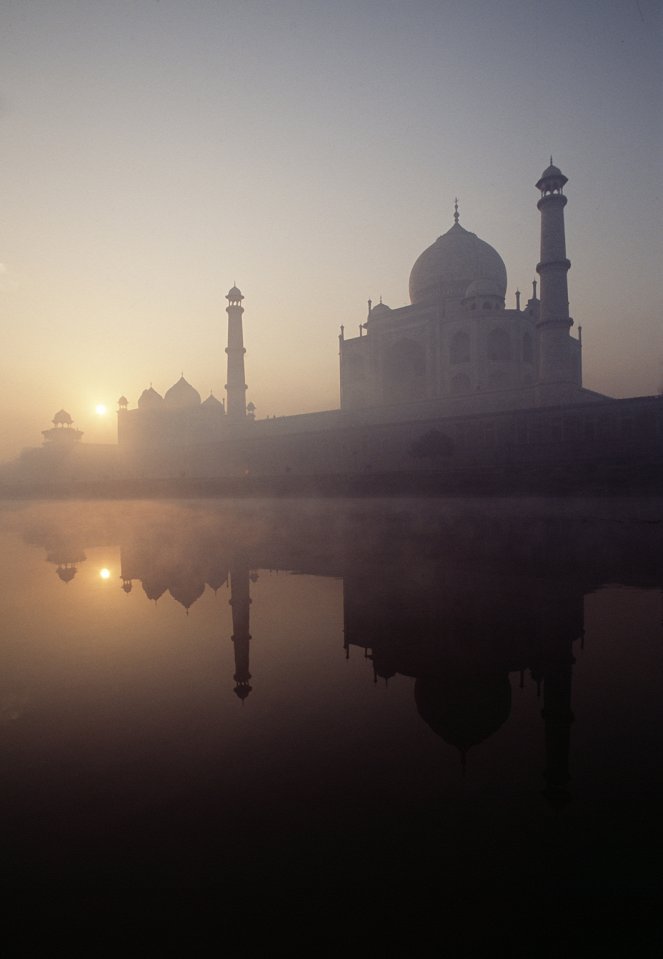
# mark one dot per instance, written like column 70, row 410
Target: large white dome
column 455, row 260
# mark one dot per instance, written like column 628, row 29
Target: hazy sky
column 157, row 151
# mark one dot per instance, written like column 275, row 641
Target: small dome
column 234, row 295
column 449, row 266
column 211, row 403
column 150, row 399
column 552, row 179
column 182, row 395
column 123, row 401
column 62, row 418
column 380, row 309
column 551, row 171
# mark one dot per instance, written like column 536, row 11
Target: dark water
column 343, row 699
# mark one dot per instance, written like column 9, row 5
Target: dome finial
column 456, row 213
column 551, row 160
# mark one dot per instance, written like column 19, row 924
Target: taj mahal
column 454, row 375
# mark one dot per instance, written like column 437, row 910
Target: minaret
column 235, row 387
column 555, row 358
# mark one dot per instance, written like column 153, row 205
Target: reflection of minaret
column 67, row 560
column 558, row 716
column 562, row 624
column 240, row 602
column 235, row 387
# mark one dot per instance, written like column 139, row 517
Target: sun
column 104, row 573
column 101, row 409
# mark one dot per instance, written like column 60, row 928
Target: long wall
column 612, row 431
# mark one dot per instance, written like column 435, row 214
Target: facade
column 457, row 345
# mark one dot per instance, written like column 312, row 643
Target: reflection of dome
column 186, row 593
column 464, row 709
column 182, row 395
column 153, row 590
column 149, row 399
column 216, row 578
column 242, row 690
column 454, row 261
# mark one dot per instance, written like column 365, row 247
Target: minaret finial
column 456, row 214
column 551, row 162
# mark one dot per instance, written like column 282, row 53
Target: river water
column 332, row 697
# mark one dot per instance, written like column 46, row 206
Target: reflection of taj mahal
column 461, row 637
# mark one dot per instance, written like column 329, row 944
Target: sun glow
column 101, row 409
column 104, row 573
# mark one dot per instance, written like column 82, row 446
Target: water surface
column 332, row 696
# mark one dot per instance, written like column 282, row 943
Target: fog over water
column 332, row 696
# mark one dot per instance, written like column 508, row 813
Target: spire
column 456, row 213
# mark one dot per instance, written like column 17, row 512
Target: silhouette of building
column 456, row 341
column 454, row 350
column 454, row 376
column 180, row 418
column 63, row 433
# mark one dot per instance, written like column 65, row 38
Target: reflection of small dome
column 153, row 590
column 182, row 395
column 216, row 579
column 186, row 593
column 62, row 418
column 150, row 399
column 66, row 573
column 449, row 266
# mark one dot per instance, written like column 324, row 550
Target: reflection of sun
column 104, row 573
column 101, row 409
